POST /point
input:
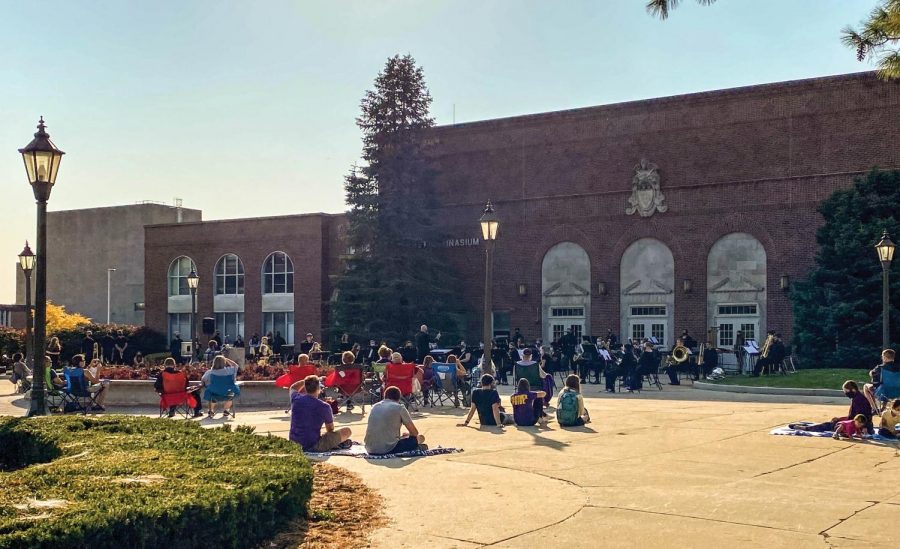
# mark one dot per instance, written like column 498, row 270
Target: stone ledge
column 140, row 392
column 783, row 391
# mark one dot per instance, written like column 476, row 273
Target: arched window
column 565, row 287
column 178, row 273
column 647, row 301
column 229, row 275
column 278, row 274
column 736, row 289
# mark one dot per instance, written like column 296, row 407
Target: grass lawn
column 826, row 378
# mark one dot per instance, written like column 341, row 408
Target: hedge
column 136, row 482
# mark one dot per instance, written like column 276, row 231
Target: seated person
column 850, row 428
column 21, row 375
column 528, row 405
column 570, row 410
column 92, row 380
column 859, row 405
column 887, row 363
column 309, row 414
column 889, row 420
column 486, row 401
column 170, row 368
column 385, row 420
column 673, row 368
column 221, row 366
column 625, row 367
column 648, row 363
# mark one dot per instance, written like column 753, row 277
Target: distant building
column 83, row 244
column 12, row 316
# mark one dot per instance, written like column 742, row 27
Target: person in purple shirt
column 859, row 405
column 309, row 414
column 528, row 405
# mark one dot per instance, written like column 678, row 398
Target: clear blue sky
column 247, row 108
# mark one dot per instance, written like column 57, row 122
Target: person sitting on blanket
column 385, row 420
column 889, row 420
column 528, row 405
column 570, row 410
column 309, row 414
column 850, row 428
column 887, row 363
column 859, row 405
column 486, row 401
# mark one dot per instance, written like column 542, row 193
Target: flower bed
column 136, row 482
column 250, row 372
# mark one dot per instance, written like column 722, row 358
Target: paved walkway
column 677, row 468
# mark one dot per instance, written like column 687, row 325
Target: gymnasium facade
column 645, row 218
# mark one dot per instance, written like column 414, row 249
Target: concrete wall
column 83, row 244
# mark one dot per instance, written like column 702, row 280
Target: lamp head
column 41, row 158
column 489, row 222
column 885, row 249
column 26, row 259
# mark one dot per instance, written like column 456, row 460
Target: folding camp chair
column 446, row 385
column 401, row 376
column 346, row 384
column 532, row 372
column 222, row 388
column 294, row 374
column 56, row 399
column 374, row 382
column 78, row 397
column 889, row 388
column 175, row 397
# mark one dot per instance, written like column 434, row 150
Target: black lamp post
column 489, row 226
column 42, row 165
column 193, row 281
column 885, row 249
column 26, row 261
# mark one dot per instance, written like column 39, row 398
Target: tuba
column 679, row 355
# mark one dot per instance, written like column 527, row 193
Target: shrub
column 138, row 482
column 11, row 341
column 140, row 338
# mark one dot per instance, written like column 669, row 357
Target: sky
column 246, row 109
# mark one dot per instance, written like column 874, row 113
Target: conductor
column 423, row 343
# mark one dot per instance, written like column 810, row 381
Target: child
column 570, row 410
column 528, row 405
column 889, row 420
column 851, row 428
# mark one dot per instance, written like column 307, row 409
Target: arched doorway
column 566, row 298
column 736, row 288
column 647, row 278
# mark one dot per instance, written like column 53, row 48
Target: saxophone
column 766, row 346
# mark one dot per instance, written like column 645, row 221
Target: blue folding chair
column 222, row 388
column 445, row 384
column 889, row 388
column 78, row 397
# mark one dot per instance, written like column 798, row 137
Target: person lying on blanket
column 850, row 428
column 859, row 405
column 309, row 414
column 385, row 420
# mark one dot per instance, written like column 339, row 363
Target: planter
column 255, row 394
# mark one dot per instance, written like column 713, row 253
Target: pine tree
column 394, row 281
column 837, row 307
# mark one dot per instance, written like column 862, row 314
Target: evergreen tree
column 837, row 308
column 394, row 281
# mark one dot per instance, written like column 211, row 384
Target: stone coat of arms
column 646, row 198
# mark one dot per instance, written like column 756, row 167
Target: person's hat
column 308, row 335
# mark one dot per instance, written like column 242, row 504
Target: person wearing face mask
column 859, row 405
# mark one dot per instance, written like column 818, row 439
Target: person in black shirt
column 108, row 342
column 307, row 344
column 648, row 363
column 217, row 337
column 423, row 342
column 625, row 368
column 175, row 348
column 518, row 338
column 611, row 339
column 710, row 360
column 277, row 344
column 239, row 341
column 486, row 401
column 688, row 341
column 568, row 342
column 120, row 348
column 88, row 345
column 345, row 344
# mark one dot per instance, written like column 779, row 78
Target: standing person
column 517, row 338
column 89, row 346
column 567, row 343
column 217, row 337
column 689, row 341
column 611, row 339
column 739, row 350
column 528, row 405
column 486, row 401
column 108, row 343
column 254, row 346
column 570, row 410
column 175, row 348
column 386, row 418
column 307, row 344
column 277, row 346
column 121, row 347
column 53, row 350
column 309, row 414
column 887, row 363
column 345, row 344
column 423, row 342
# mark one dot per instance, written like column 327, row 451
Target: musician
column 408, row 352
column 345, row 344
column 710, row 361
column 107, row 343
column 518, row 339
column 277, row 344
column 739, row 350
column 648, row 364
column 776, row 353
column 175, row 348
column 689, row 341
column 465, row 357
column 588, row 360
column 672, row 369
column 89, row 347
column 423, row 342
column 567, row 342
column 625, row 367
column 307, row 344
column 370, row 352
column 611, row 338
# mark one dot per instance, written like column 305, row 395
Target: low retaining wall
column 783, row 391
column 131, row 392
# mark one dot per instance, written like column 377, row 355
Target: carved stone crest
column 646, row 198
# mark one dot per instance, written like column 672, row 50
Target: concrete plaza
column 677, row 468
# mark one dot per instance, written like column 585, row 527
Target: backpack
column 567, row 408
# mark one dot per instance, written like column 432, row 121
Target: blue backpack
column 567, row 408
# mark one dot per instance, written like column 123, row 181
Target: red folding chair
column 175, row 395
column 401, row 376
column 346, row 382
column 295, row 374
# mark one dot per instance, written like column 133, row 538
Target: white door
column 638, row 329
column 558, row 328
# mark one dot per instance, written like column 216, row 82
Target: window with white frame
column 278, row 274
column 279, row 322
column 229, row 275
column 230, row 325
column 178, row 273
column 180, row 323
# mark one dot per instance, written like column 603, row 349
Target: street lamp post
column 885, row 249
column 42, row 160
column 109, row 273
column 26, row 261
column 193, row 281
column 489, row 226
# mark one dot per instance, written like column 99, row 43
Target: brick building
column 645, row 218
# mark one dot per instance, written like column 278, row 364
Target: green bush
column 11, row 341
column 140, row 482
column 140, row 338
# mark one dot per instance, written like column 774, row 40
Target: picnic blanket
column 358, row 450
column 787, row 431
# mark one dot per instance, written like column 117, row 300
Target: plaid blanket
column 787, row 431
column 357, row 450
